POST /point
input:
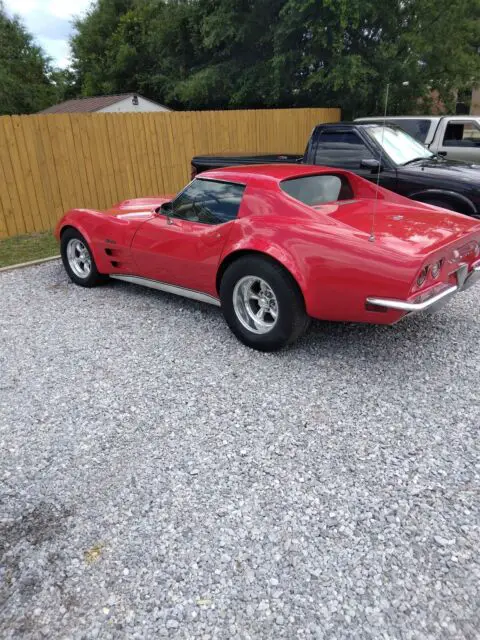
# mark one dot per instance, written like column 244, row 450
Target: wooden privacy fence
column 51, row 163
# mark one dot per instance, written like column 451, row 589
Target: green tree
column 25, row 83
column 352, row 48
column 90, row 45
column 135, row 45
column 267, row 53
column 65, row 83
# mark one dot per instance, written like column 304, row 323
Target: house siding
column 126, row 105
column 475, row 106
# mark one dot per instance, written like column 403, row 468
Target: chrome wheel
column 255, row 304
column 79, row 258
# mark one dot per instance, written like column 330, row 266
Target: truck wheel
column 262, row 304
column 444, row 205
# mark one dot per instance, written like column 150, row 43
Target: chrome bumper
column 464, row 281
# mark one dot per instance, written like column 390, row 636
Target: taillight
column 435, row 269
column 193, row 172
column 422, row 276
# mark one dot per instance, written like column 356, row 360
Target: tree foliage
column 268, row 53
column 26, row 82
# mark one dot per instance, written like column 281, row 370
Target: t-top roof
column 277, row 172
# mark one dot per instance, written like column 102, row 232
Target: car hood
column 412, row 229
column 137, row 207
column 445, row 168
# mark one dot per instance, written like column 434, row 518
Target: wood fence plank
column 12, row 204
column 23, row 176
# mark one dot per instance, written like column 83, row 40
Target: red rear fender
column 265, row 248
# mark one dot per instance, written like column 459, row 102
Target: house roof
column 90, row 104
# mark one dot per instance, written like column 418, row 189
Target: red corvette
column 277, row 245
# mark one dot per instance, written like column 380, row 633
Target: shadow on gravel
column 39, row 525
column 35, row 527
column 406, row 340
column 137, row 291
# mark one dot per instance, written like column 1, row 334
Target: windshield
column 397, row 144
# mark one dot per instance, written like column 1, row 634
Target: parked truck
column 376, row 152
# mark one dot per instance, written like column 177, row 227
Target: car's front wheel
column 78, row 259
column 262, row 303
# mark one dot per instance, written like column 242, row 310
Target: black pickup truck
column 376, row 152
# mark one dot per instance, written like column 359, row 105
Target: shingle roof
column 86, row 105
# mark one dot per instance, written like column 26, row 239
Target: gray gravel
column 158, row 479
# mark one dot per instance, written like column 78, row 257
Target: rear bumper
column 439, row 298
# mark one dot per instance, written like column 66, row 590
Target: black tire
column 444, row 205
column 291, row 320
column 90, row 279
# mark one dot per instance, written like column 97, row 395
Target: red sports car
column 276, row 245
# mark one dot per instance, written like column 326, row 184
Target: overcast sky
column 50, row 22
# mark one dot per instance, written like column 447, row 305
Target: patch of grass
column 25, row 248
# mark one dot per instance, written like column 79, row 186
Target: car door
column 345, row 149
column 181, row 245
column 460, row 140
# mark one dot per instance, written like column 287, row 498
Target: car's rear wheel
column 262, row 303
column 77, row 258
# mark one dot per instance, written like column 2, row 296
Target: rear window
column 313, row 190
column 339, row 148
column 416, row 128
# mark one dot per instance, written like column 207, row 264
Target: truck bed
column 214, row 161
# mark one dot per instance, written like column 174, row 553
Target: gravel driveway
column 158, row 479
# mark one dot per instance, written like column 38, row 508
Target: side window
column 341, row 149
column 318, row 189
column 208, row 201
column 462, row 134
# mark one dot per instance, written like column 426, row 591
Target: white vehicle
column 454, row 137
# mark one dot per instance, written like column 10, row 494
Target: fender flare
column 443, row 193
column 269, row 251
column 70, row 224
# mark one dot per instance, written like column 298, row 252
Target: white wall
column 126, row 105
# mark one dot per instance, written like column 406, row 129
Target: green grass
column 26, row 248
